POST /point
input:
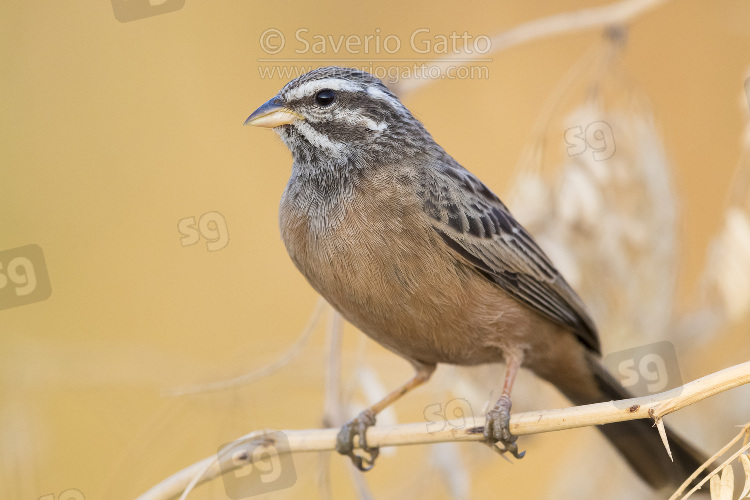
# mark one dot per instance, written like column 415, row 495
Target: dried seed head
column 730, row 264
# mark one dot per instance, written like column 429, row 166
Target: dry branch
column 656, row 407
column 615, row 14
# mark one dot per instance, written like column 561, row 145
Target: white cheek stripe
column 373, row 125
column 310, row 88
column 319, row 140
column 357, row 119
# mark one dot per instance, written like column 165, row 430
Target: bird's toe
column 358, row 428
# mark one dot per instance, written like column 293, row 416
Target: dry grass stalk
column 727, row 276
column 722, row 488
column 614, row 14
column 279, row 363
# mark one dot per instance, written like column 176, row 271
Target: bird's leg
column 358, row 426
column 497, row 426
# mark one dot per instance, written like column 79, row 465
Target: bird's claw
column 497, row 428
column 345, row 441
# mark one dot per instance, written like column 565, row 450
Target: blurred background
column 140, row 253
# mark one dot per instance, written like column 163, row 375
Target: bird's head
column 339, row 115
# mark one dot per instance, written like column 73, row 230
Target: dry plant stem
column 260, row 373
column 656, row 406
column 332, row 401
column 744, row 432
column 717, row 470
column 333, row 413
column 567, row 22
column 745, row 446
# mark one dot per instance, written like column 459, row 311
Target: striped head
column 334, row 116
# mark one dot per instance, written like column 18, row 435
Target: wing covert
column 479, row 230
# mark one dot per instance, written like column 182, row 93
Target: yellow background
column 113, row 132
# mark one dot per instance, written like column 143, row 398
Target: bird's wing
column 478, row 228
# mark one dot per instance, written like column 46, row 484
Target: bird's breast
column 357, row 243
column 375, row 257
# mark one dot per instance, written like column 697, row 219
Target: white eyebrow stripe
column 310, row 88
column 377, row 93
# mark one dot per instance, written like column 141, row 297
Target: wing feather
column 480, row 231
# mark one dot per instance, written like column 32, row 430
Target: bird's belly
column 401, row 287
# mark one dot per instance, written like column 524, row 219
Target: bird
column 421, row 256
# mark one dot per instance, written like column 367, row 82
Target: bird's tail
column 637, row 440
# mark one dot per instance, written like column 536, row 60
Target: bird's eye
column 325, row 97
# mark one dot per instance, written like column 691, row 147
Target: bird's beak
column 272, row 114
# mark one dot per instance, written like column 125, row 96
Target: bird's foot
column 345, row 441
column 497, row 428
